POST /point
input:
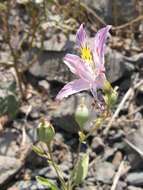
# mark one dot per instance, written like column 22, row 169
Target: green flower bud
column 114, row 96
column 45, row 131
column 81, row 114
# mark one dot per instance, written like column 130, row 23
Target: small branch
column 134, row 147
column 87, row 8
column 117, row 176
column 126, row 96
column 128, row 23
column 135, row 111
column 6, row 64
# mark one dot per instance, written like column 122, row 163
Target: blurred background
column 35, row 35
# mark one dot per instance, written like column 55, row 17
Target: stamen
column 86, row 54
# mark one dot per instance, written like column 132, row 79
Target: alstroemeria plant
column 89, row 67
column 91, row 72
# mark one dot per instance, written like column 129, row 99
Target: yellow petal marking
column 86, row 54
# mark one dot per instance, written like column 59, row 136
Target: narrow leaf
column 47, row 182
column 82, row 169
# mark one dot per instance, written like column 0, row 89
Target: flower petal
column 81, row 37
column 72, row 88
column 100, row 81
column 99, row 44
column 78, row 67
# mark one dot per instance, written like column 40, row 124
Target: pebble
column 117, row 159
column 134, row 188
column 104, row 172
column 135, row 178
column 9, row 166
column 28, row 185
column 97, row 145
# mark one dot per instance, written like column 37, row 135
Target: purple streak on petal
column 72, row 88
column 77, row 66
column 99, row 44
column 81, row 37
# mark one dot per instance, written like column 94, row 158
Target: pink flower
column 89, row 67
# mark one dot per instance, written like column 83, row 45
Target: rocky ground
column 116, row 150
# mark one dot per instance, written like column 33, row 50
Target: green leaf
column 38, row 150
column 12, row 106
column 47, row 182
column 82, row 169
column 9, row 106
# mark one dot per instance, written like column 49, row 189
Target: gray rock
column 57, row 42
column 109, row 152
column 135, row 178
column 51, row 66
column 8, row 146
column 49, row 173
column 134, row 188
column 104, row 172
column 45, row 172
column 28, row 185
column 97, row 145
column 90, row 187
column 116, row 66
column 106, row 10
column 9, row 166
column 136, row 59
column 121, row 185
column 137, row 139
column 63, row 116
column 117, row 136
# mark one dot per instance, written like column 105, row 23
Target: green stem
column 70, row 181
column 56, row 169
column 98, row 125
column 93, row 130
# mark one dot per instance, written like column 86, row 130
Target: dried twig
column 117, row 176
column 128, row 23
column 126, row 96
column 87, row 8
column 135, row 111
column 134, row 147
column 6, row 64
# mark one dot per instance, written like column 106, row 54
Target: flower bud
column 81, row 114
column 114, row 96
column 45, row 131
